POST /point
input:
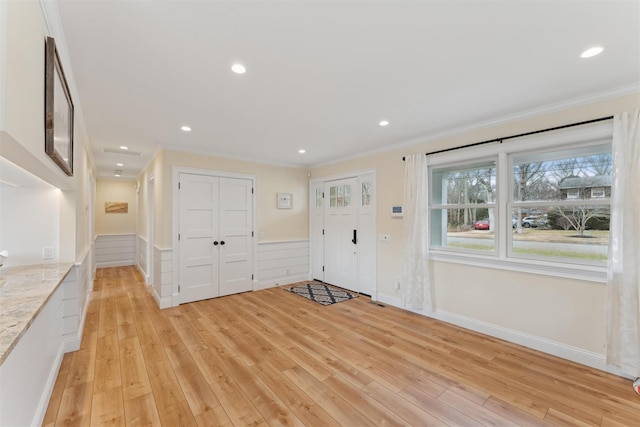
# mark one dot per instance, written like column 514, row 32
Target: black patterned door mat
column 321, row 293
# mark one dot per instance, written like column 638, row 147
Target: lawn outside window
column 546, row 199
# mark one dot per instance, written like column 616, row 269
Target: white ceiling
column 322, row 74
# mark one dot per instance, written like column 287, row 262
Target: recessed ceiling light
column 124, row 147
column 302, row 151
column 384, row 123
column 119, row 164
column 185, row 129
column 593, row 51
column 117, row 174
column 238, row 68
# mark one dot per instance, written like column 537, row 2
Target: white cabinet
column 28, row 374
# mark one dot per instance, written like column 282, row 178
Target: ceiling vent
column 125, row 152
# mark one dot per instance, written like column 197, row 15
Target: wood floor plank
column 291, row 395
column 141, row 411
column 473, row 409
column 178, row 415
column 411, row 413
column 339, row 408
column 273, row 358
column 510, row 412
column 107, row 374
column 135, row 381
column 82, row 368
column 365, row 404
column 236, row 404
column 215, row 417
column 107, row 408
column 75, row 405
column 260, row 395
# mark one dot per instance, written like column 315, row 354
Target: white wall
column 29, row 221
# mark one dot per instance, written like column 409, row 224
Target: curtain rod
column 518, row 135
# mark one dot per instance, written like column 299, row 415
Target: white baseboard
column 390, row 299
column 277, row 281
column 144, row 275
column 163, row 302
column 574, row 354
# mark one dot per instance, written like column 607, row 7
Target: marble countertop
column 24, row 291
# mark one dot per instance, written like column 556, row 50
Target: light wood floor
column 274, row 358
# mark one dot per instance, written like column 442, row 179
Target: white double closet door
column 215, row 236
column 342, row 232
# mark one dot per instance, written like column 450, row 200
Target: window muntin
column 366, row 193
column 318, row 198
column 340, row 196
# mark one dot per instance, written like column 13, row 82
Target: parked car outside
column 534, row 222
column 483, row 224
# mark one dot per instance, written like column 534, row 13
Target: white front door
column 199, row 257
column 340, row 233
column 236, row 235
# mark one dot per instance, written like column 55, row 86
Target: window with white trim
column 463, row 199
column 540, row 201
column 573, row 193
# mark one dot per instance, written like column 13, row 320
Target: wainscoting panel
column 163, row 276
column 115, row 250
column 281, row 263
column 77, row 287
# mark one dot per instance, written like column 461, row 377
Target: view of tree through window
column 553, row 193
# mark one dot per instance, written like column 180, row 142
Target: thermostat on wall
column 396, row 210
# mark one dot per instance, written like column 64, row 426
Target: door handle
column 355, row 237
column 215, row 243
column 222, row 242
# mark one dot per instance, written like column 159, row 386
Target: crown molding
column 572, row 103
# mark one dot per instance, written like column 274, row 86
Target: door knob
column 222, row 242
column 215, row 243
column 355, row 237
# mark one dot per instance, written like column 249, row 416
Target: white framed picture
column 285, row 200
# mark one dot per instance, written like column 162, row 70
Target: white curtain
column 416, row 286
column 623, row 292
